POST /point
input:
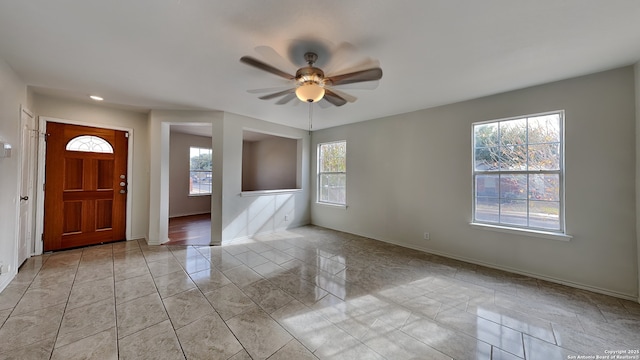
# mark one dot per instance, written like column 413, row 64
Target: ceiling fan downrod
column 310, row 58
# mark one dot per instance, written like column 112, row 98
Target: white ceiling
column 184, row 54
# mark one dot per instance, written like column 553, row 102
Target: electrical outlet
column 286, row 218
column 1, row 268
column 427, row 236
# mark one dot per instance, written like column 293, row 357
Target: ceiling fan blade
column 354, row 66
column 286, row 99
column 341, row 54
column 266, row 67
column 354, row 77
column 350, row 98
column 367, row 85
column 277, row 94
column 324, row 104
column 271, row 56
column 334, row 98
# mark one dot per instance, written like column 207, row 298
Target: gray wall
column 269, row 164
column 180, row 203
column 411, row 173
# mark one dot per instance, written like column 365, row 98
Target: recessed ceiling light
column 96, row 97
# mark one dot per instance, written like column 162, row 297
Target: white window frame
column 320, row 173
column 511, row 228
column 203, row 171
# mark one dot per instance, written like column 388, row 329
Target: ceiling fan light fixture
column 310, row 84
column 310, row 92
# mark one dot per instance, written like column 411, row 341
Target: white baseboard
column 137, row 237
column 631, row 297
column 5, row 280
column 188, row 214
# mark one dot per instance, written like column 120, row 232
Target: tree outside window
column 200, row 171
column 332, row 173
column 518, row 170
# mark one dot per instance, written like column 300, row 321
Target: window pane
column 487, row 185
column 544, row 129
column 89, row 143
column 200, row 182
column 332, row 167
column 200, row 176
column 510, row 157
column 513, row 187
column 333, row 157
column 323, row 194
column 513, row 212
column 200, row 159
column 207, row 188
column 332, row 188
column 544, row 157
column 485, row 135
column 513, row 132
column 544, row 214
column 513, row 157
column 544, row 187
column 488, row 209
column 487, row 158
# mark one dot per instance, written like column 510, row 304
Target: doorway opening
column 190, row 184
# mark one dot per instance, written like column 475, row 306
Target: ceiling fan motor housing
column 310, row 80
column 310, row 74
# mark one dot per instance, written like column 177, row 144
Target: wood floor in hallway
column 193, row 230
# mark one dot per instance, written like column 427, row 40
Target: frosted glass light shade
column 310, row 92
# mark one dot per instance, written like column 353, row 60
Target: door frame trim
column 41, row 174
column 32, row 212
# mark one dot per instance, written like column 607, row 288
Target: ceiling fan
column 310, row 83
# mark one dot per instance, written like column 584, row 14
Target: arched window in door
column 89, row 143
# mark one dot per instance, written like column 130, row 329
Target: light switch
column 5, row 150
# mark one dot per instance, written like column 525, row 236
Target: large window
column 332, row 173
column 518, row 172
column 200, row 171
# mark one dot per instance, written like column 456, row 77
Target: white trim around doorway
column 42, row 121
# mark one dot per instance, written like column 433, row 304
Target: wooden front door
column 85, row 186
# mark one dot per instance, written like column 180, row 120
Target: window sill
column 524, row 232
column 198, row 195
column 269, row 192
column 336, row 206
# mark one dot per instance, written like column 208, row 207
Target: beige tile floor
column 302, row 294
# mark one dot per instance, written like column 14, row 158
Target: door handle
column 24, row 198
